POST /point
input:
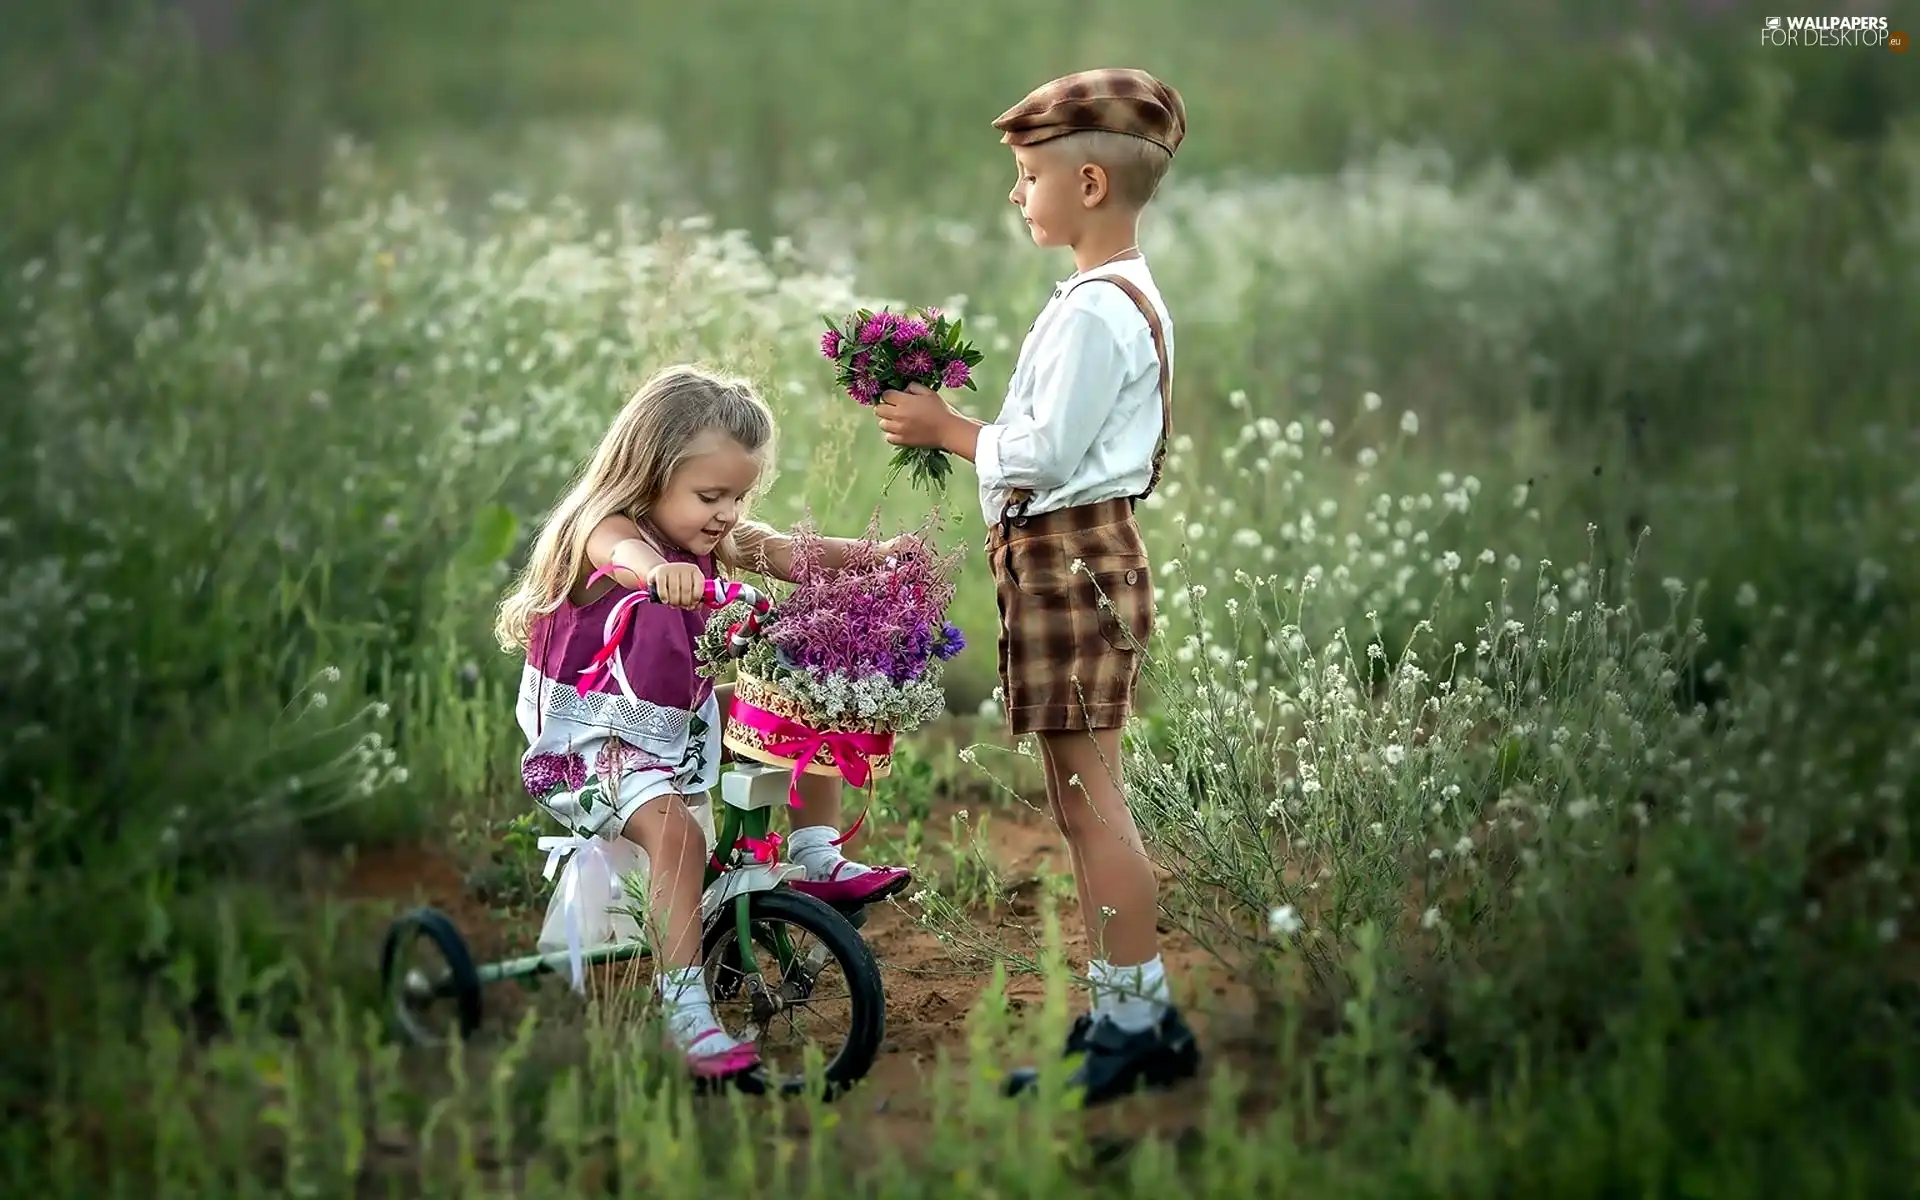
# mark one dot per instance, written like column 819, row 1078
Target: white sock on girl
column 690, row 1014
column 812, row 848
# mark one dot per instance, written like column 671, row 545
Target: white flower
column 1283, row 921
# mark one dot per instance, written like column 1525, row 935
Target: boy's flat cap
column 1114, row 99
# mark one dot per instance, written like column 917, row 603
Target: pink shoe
column 721, row 1064
column 877, row 884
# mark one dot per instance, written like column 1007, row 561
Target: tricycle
column 747, row 911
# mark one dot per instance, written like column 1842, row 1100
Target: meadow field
column 1534, row 750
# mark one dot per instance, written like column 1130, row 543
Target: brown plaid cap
column 1115, row 99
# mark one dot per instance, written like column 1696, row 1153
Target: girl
column 622, row 733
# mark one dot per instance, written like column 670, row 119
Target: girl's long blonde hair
column 647, row 442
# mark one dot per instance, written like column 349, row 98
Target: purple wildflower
column 956, row 374
column 866, row 389
column 877, row 327
column 915, row 363
column 861, row 361
column 951, row 641
column 908, row 332
column 916, row 646
column 830, row 344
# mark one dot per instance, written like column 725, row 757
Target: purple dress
column 614, row 713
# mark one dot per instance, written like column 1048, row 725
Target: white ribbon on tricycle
column 602, row 887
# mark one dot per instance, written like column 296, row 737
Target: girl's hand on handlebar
column 677, row 585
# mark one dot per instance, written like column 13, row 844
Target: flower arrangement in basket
column 848, row 659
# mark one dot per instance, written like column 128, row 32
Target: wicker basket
column 748, row 742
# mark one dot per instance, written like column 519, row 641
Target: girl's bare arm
column 618, row 542
column 760, row 546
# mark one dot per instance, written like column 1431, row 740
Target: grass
column 1531, row 761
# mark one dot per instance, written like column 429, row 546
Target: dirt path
column 930, row 988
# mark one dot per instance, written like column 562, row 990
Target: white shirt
column 1082, row 413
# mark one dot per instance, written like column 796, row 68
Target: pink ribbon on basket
column 800, row 742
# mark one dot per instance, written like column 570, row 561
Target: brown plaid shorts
column 1076, row 611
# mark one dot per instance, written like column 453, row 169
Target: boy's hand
column 917, row 417
column 677, row 585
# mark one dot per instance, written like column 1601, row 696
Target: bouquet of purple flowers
column 884, row 351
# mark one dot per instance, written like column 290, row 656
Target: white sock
column 690, row 1011
column 812, row 848
column 1134, row 998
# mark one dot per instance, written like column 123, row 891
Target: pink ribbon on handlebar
column 722, row 592
column 718, row 593
column 595, row 676
column 800, row 742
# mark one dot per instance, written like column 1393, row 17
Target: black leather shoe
column 1118, row 1062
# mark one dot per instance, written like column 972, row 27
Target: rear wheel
column 432, row 997
column 806, row 979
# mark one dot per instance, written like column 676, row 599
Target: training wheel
column 422, row 994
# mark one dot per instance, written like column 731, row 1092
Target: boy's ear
column 1094, row 185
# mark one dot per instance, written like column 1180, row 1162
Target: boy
column 1077, row 443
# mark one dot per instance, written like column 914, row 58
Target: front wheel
column 807, row 970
